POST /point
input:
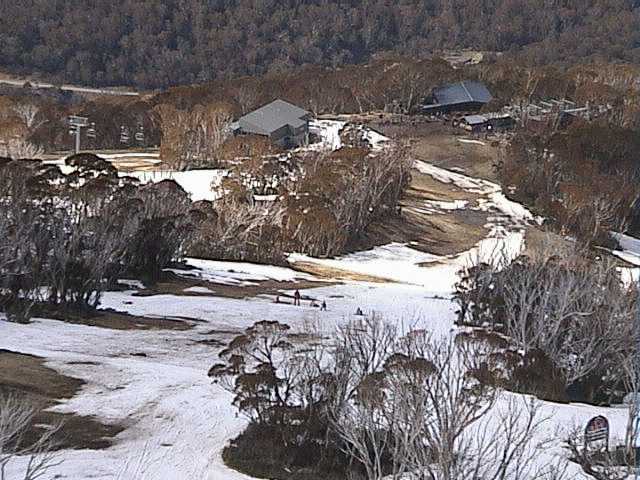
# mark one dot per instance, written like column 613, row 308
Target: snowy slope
column 199, row 184
column 177, row 422
column 401, row 263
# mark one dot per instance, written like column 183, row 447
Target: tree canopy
column 154, row 44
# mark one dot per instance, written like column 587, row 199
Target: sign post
column 597, row 433
column 635, row 418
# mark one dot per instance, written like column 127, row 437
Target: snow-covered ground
column 328, row 131
column 630, row 248
column 401, row 263
column 199, row 184
column 176, row 421
column 204, row 184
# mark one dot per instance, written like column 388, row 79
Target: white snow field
column 176, row 421
column 329, row 133
column 199, row 184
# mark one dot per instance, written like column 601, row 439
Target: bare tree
column 359, row 402
column 508, row 443
column 33, row 459
column 573, row 309
column 193, row 138
column 29, row 114
column 578, row 314
column 246, row 96
column 412, row 407
column 440, row 402
column 18, row 148
column 240, row 230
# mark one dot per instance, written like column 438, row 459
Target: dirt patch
column 439, row 230
column 441, row 145
column 27, row 377
column 430, row 230
column 222, row 332
column 324, row 271
column 212, row 342
column 175, row 284
column 425, row 187
column 118, row 320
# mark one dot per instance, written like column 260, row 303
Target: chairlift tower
column 139, row 136
column 76, row 124
column 124, row 134
column 91, row 131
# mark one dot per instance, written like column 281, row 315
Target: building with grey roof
column 280, row 121
column 463, row 96
column 489, row 122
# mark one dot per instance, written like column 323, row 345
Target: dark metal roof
column 272, row 117
column 475, row 119
column 462, row 92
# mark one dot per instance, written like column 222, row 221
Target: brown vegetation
column 193, row 138
column 76, row 234
column 374, row 402
column 320, row 204
column 173, row 43
column 584, row 179
column 567, row 318
column 27, row 377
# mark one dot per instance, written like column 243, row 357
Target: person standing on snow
column 296, row 298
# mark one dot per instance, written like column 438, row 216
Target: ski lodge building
column 282, row 122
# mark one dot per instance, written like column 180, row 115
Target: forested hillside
column 151, row 44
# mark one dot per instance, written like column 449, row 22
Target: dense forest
column 153, row 44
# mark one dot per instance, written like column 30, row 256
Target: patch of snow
column 434, row 206
column 627, row 256
column 133, row 284
column 240, row 271
column 630, row 253
column 198, row 290
column 494, row 196
column 627, row 242
column 142, row 155
column 177, row 422
column 199, row 184
column 469, row 140
column 401, row 263
column 329, row 133
column 265, row 198
column 473, row 185
column 514, row 210
column 375, row 139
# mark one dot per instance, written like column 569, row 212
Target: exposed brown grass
column 28, row 377
column 117, row 320
column 177, row 284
